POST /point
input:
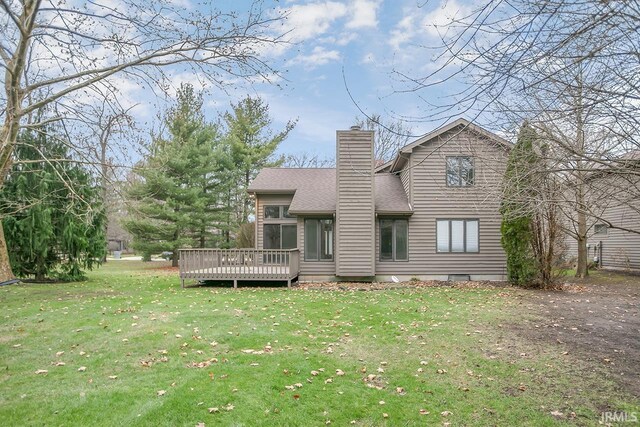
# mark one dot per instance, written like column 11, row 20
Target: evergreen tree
column 516, row 209
column 176, row 201
column 252, row 145
column 51, row 211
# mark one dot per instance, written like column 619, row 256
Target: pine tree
column 176, row 201
column 252, row 146
column 517, row 215
column 51, row 211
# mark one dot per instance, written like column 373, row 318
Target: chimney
column 355, row 210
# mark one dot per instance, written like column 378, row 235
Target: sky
column 343, row 46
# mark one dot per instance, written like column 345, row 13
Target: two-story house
column 430, row 213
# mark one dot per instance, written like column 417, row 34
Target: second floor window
column 460, row 171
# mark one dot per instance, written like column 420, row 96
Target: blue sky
column 368, row 39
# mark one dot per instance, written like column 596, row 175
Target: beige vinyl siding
column 406, row 178
column 263, row 200
column 620, row 249
column 433, row 200
column 355, row 217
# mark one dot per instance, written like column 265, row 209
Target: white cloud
column 433, row 24
column 403, row 32
column 436, row 21
column 305, row 21
column 318, row 56
column 364, row 14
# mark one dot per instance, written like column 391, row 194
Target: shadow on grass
column 241, row 284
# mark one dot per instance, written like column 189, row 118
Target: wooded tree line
column 69, row 57
column 190, row 190
column 52, row 209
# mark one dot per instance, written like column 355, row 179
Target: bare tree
column 306, row 160
column 390, row 135
column 570, row 69
column 69, row 53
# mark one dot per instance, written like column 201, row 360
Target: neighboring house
column 618, row 204
column 430, row 213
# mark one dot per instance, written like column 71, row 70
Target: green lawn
column 130, row 347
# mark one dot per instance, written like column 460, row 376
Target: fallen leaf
column 385, row 415
column 446, row 413
column 339, row 372
column 296, row 396
column 314, row 373
column 424, row 412
column 162, row 392
column 60, row 353
column 213, row 410
column 42, row 371
column 113, row 377
column 82, row 368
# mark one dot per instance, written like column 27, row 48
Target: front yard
column 129, row 347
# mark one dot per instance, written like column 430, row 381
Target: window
column 600, row 229
column 276, row 212
column 457, row 235
column 318, row 239
column 280, row 236
column 459, row 171
column 394, row 240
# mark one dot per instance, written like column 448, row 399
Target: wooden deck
column 239, row 264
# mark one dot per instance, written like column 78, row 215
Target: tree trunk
column 104, row 169
column 8, row 137
column 5, row 267
column 174, row 258
column 581, row 269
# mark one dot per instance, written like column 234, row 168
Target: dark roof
column 315, row 190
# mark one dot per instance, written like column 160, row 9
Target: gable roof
column 403, row 154
column 314, row 190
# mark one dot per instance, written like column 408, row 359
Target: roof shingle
column 315, row 190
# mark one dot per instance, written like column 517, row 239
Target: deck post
column 289, row 284
column 235, row 283
column 182, row 282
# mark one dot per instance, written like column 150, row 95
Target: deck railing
column 239, row 264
